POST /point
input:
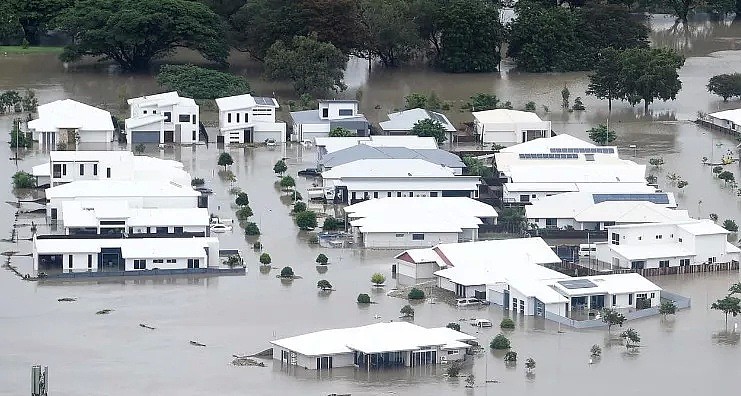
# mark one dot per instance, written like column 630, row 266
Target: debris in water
column 104, row 311
column 246, row 361
column 67, row 299
column 146, row 326
column 197, row 344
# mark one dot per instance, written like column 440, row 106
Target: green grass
column 17, row 49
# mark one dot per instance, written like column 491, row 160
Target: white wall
column 508, row 134
column 95, row 136
column 416, row 271
column 404, row 239
column 178, row 264
column 334, row 109
column 133, row 202
column 360, row 194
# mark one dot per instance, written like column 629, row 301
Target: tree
column 286, row 272
column 500, row 342
column 605, row 82
column 407, row 311
column 601, row 135
column 631, row 337
column 510, row 357
column 341, row 132
column 483, row 102
column 332, row 224
column 530, row 106
column 454, row 370
column 322, row 259
column 682, row 184
column 475, row 166
column 225, row 159
column 314, row 67
column 244, row 213
column 713, row 217
column 454, row 326
column 29, row 101
column 430, row 127
column 667, row 308
column 735, row 289
column 242, row 199
column 595, row 351
column 416, row 294
column 507, row 323
column 23, row 179
column 649, row 74
column 134, row 32
column 306, row 220
column 416, row 100
column 265, row 259
column 730, row 225
column 681, row 8
column 287, row 182
column 34, row 17
column 388, row 31
column 19, row 139
column 363, row 298
column 656, row 162
column 299, row 207
column 471, row 36
column 726, row 176
column 578, row 104
column 251, row 229
column 470, row 380
column 378, row 278
column 513, row 218
column 201, row 83
column 139, row 148
column 280, row 167
column 197, row 182
column 565, row 95
column 652, row 179
column 725, row 85
column 10, row 101
column 728, row 305
column 324, row 285
column 530, row 364
column 612, row 317
column 233, row 261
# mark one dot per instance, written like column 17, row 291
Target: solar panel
column 661, row 199
column 585, row 150
column 547, row 156
column 264, row 101
column 577, row 284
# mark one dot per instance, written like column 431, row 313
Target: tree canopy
column 471, row 35
column 605, row 82
column 430, row 127
column 341, row 132
column 33, row 17
column 725, row 85
column 225, row 159
column 201, row 83
column 649, row 74
column 314, row 67
column 133, row 32
column 601, row 135
column 388, row 31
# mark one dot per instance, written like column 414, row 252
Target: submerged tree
column 225, row 159
column 725, row 85
column 407, row 311
column 201, row 83
column 324, row 285
column 612, row 317
column 631, row 337
column 667, row 308
column 322, row 259
column 728, row 305
column 601, row 135
column 280, row 167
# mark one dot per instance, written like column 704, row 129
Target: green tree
column 201, row 83
column 298, row 207
column 656, row 162
column 475, row 166
column 306, row 220
column 530, row 106
column 242, row 199
column 471, row 36
column 667, row 308
column 430, row 127
column 139, row 148
column 735, row 289
column 682, row 184
column 34, row 17
column 510, row 357
column 416, row 294
column 726, row 176
column 605, row 82
column 29, row 101
column 500, row 342
column 725, row 85
column 244, row 213
column 378, row 278
column 324, row 285
column 280, row 167
column 649, row 74
column 388, row 31
column 595, row 351
column 483, row 101
column 416, row 100
column 565, row 95
column 507, row 323
column 314, row 67
column 728, row 305
column 265, row 259
column 631, row 337
column 332, row 224
column 286, row 272
column 713, row 217
column 225, row 159
column 10, row 101
column 19, row 139
column 363, row 298
column 251, row 229
column 612, row 317
column 530, row 364
column 322, row 259
column 197, row 182
column 287, row 182
column 601, row 135
column 454, row 326
column 23, row 179
column 134, row 32
column 513, row 219
column 682, row 8
column 341, row 132
column 407, row 311
column 730, row 225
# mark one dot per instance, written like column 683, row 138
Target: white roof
column 91, row 156
column 462, row 183
column 374, row 338
column 141, row 120
column 544, row 145
column 422, row 255
column 119, row 188
column 505, row 116
column 68, row 113
column 42, row 170
column 733, row 115
column 88, row 214
column 388, row 167
column 405, row 120
column 630, row 212
column 161, row 99
column 610, row 284
column 538, row 289
column 651, row 250
column 561, row 172
column 703, row 227
column 130, row 247
column 246, row 101
column 332, row 144
column 569, row 204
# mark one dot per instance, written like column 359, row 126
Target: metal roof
column 364, row 151
column 658, row 198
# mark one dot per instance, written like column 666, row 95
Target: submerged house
column 372, row 347
column 331, row 114
column 509, row 127
column 70, row 122
column 366, row 151
column 249, row 119
column 402, row 122
column 162, row 118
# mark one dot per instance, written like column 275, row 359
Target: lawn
column 17, row 49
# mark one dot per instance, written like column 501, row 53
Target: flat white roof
column 733, row 115
column 119, row 188
column 91, row 156
column 569, row 204
column 332, row 144
column 374, row 338
column 88, row 214
column 161, row 99
column 141, row 120
column 692, row 226
column 630, row 212
column 130, row 247
column 601, row 284
column 68, row 113
column 405, row 120
column 388, row 167
column 461, row 183
column 246, row 101
column 505, row 116
column 41, row 170
column 543, row 145
column 561, row 172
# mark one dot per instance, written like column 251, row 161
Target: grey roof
column 337, row 101
column 364, row 151
column 405, row 120
column 312, row 117
column 265, row 101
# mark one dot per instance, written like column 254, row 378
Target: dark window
column 82, row 169
column 550, row 222
column 229, row 117
column 388, row 194
column 154, row 111
column 418, row 237
column 534, row 196
column 168, row 116
column 325, row 113
column 653, row 295
column 89, row 261
column 353, row 195
column 630, row 299
column 398, row 194
column 108, row 172
column 158, row 261
column 161, row 230
column 615, row 239
column 171, row 261
column 524, row 198
column 411, row 194
column 433, row 194
column 194, row 263
column 246, row 117
column 140, row 264
column 113, row 222
column 614, row 299
column 57, row 171
column 237, row 118
column 178, row 230
column 345, row 112
column 375, row 194
column 193, row 119
column 64, row 169
column 194, row 135
column 71, row 261
column 640, row 264
column 186, row 117
column 683, row 262
column 145, row 112
column 663, row 263
column 95, row 169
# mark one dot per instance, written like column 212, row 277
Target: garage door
column 145, row 137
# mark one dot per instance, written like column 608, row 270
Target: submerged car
column 220, row 228
column 466, row 302
column 311, row 172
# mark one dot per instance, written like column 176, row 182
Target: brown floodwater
column 111, row 355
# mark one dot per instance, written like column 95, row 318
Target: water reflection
column 726, row 337
column 700, row 37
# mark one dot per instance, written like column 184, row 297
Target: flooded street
column 91, row 354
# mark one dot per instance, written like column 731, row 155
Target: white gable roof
column 119, row 188
column 505, row 116
column 161, row 100
column 388, row 167
column 68, row 113
column 405, row 120
column 245, row 101
column 543, row 145
column 733, row 115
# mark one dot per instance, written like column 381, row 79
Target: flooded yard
column 112, row 355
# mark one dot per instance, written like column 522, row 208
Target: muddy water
column 112, row 355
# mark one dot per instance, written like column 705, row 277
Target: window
column 514, row 304
column 178, row 230
column 154, row 111
column 388, row 194
column 171, row 261
column 89, row 262
column 663, row 263
column 418, row 237
column 353, row 195
column 411, row 194
column 551, row 222
column 451, row 352
column 533, row 196
column 671, row 236
column 95, row 169
column 398, row 194
column 64, row 169
column 71, row 261
column 712, row 260
column 193, row 263
column 228, row 117
column 683, row 262
column 614, row 300
column 615, row 238
column 641, row 296
column 522, row 306
column 345, row 112
column 237, row 118
column 639, row 238
column 168, row 116
column 158, row 261
column 193, row 119
column 108, row 172
column 57, row 171
column 524, row 198
column 400, row 235
column 653, row 295
column 630, row 299
column 186, row 117
column 140, row 264
column 82, row 169
column 246, row 117
column 433, row 193
column 145, row 112
column 161, row 230
column 325, row 113
column 194, row 135
column 375, row 194
column 680, row 239
column 659, row 236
